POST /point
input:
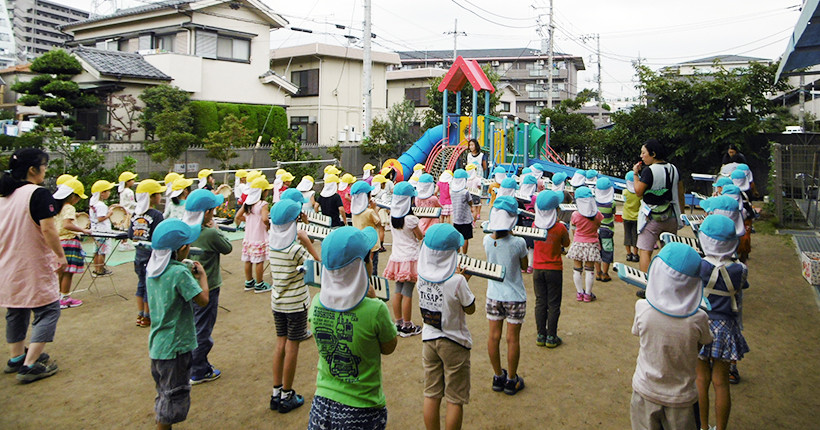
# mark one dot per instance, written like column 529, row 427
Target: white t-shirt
column 477, row 159
column 98, row 210
column 442, row 309
column 405, row 244
column 665, row 370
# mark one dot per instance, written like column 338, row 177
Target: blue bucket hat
column 460, row 174
column 742, row 166
column 173, row 234
column 738, row 174
column 293, row 194
column 559, row 178
column 547, row 200
column 509, row 183
column 731, row 189
column 498, row 170
column 591, row 174
column 528, row 180
column 404, row 189
column 443, row 237
column 361, row 187
column 723, row 181
column 725, row 203
column 526, row 170
column 426, row 178
column 583, row 193
column 506, row 203
column 603, row 184
column 285, row 211
column 719, row 227
column 203, row 200
column 346, row 244
column 682, row 258
column 630, row 177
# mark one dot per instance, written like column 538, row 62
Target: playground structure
column 507, row 143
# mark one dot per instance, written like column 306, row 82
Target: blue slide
column 420, row 150
column 549, row 166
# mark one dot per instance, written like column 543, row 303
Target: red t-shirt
column 547, row 253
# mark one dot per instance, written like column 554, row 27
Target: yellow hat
column 77, row 186
column 287, row 177
column 280, row 172
column 385, row 171
column 331, row 178
column 331, row 170
column 418, row 167
column 171, row 177
column 101, row 186
column 348, row 178
column 367, row 167
column 253, row 174
column 150, row 186
column 379, row 179
column 261, row 183
column 126, row 176
column 62, row 179
column 204, row 173
column 470, row 166
column 181, row 184
column 241, row 173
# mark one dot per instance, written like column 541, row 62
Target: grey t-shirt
column 461, row 208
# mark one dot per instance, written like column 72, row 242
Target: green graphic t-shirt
column 172, row 319
column 349, row 351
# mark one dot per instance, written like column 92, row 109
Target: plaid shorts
column 513, row 312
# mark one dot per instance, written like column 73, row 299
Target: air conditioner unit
column 539, row 104
column 495, row 63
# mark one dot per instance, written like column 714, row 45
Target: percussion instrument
column 631, row 275
column 314, row 231
column 313, row 277
column 481, row 268
column 568, row 207
column 425, row 212
column 521, row 231
column 691, row 241
column 119, row 217
column 317, row 218
column 82, row 220
column 225, row 190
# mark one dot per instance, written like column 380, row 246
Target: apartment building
column 705, row 66
column 35, row 25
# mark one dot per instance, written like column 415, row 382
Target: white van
column 793, row 129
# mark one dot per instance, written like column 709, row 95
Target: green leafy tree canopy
column 159, row 99
column 234, row 134
column 392, row 135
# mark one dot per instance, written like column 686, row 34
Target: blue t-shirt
column 508, row 252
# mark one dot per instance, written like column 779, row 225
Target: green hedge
column 208, row 116
column 205, row 118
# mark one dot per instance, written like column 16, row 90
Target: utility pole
column 367, row 81
column 802, row 101
column 455, row 34
column 597, row 37
column 546, row 40
column 637, row 63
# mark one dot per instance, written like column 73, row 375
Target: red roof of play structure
column 463, row 71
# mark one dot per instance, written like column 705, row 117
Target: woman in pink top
column 584, row 249
column 31, row 256
column 444, row 195
column 426, row 198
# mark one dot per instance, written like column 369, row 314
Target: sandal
column 139, row 321
column 605, row 278
column 598, row 277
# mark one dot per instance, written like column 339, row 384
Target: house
column 328, row 103
column 523, row 69
column 809, row 86
column 599, row 116
column 10, row 75
column 705, row 66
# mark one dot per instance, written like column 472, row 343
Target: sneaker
column 579, row 297
column 553, row 341
column 290, row 401
column 37, row 371
column 500, row 381
column 12, row 367
column 145, row 322
column 139, row 321
column 274, row 403
column 529, row 269
column 541, row 340
column 210, row 376
column 514, row 385
column 410, row 330
column 734, row 375
column 589, row 298
column 382, row 249
column 262, row 287
column 106, row 272
column 399, row 325
column 641, row 294
column 68, row 302
column 249, row 285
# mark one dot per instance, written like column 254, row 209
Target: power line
column 495, row 14
column 489, row 20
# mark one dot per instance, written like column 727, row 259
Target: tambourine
column 225, row 190
column 82, row 220
column 119, row 217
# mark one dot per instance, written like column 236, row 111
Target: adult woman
column 28, row 243
column 474, row 155
column 657, row 185
column 733, row 155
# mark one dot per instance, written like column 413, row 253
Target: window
column 212, row 45
column 307, row 81
column 309, row 130
column 146, row 41
column 417, row 95
column 206, row 44
column 4, row 37
column 164, row 42
column 505, row 107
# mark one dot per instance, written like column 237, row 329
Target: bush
column 225, row 109
column 205, row 118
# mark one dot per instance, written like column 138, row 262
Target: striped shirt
column 289, row 293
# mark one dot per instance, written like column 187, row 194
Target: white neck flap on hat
column 577, row 180
column 501, row 220
column 458, row 184
column 158, row 262
column 671, row 292
column 528, row 189
column 472, row 173
column 559, row 187
column 329, row 189
column 201, row 185
column 95, row 198
column 630, row 186
column 587, row 206
column 436, row 266
column 723, row 249
column 545, row 218
column 359, row 202
column 282, row 236
column 343, row 289
column 605, row 196
column 742, row 183
column 193, row 218
column 120, row 186
column 736, row 217
column 400, row 206
column 277, row 185
column 143, row 202
column 367, row 174
column 501, row 191
column 499, row 177
column 254, row 195
column 425, row 189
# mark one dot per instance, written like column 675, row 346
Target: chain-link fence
column 796, row 181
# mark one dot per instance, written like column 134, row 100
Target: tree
column 571, row 132
column 173, row 129
column 234, row 134
column 157, row 100
column 54, row 91
column 291, row 150
column 124, row 113
column 432, row 116
column 392, row 135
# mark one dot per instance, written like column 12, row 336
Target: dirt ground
column 105, row 382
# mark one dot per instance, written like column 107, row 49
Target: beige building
column 705, row 66
column 328, row 104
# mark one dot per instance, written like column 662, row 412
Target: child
column 206, row 179
column 169, row 182
column 723, row 281
column 462, row 207
column 401, row 267
column 444, row 195
column 127, row 200
column 719, row 184
column 239, row 183
column 526, row 201
column 632, row 204
column 289, row 302
column 143, row 223
column 584, row 249
column 344, row 191
column 506, row 300
column 305, row 187
column 499, row 174
column 578, row 178
column 100, row 222
column 367, row 173
column 175, row 208
column 426, row 198
column 353, row 330
column 671, row 328
column 591, row 177
column 559, row 184
column 538, row 173
column 282, row 182
column 171, row 287
column 330, row 202
column 474, row 182
column 744, row 248
column 444, row 300
column 548, row 274
column 364, row 215
column 418, row 170
column 255, row 245
column 200, row 207
column 66, row 196
column 604, row 198
column 383, row 185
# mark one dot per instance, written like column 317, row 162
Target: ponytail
column 19, row 163
column 397, row 222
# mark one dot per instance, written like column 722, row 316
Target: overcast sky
column 662, row 32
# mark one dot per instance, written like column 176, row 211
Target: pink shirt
column 430, row 202
column 345, row 195
column 255, row 231
column 586, row 230
column 444, row 193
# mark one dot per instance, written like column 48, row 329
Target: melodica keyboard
column 691, row 241
column 521, row 231
column 313, row 277
column 425, row 212
column 319, row 219
column 481, row 268
column 314, row 231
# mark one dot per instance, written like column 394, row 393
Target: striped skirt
column 74, row 254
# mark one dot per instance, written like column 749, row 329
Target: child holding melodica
column 526, row 201
column 66, row 196
column 548, row 273
column 506, row 300
column 462, row 207
column 402, row 265
column 632, row 204
column 426, row 198
column 255, row 245
column 444, row 195
column 604, row 198
column 585, row 248
column 723, row 281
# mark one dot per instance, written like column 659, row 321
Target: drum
column 82, row 220
column 119, row 217
column 225, row 190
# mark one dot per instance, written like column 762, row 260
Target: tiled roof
column 164, row 4
column 473, row 54
column 116, row 63
column 726, row 59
